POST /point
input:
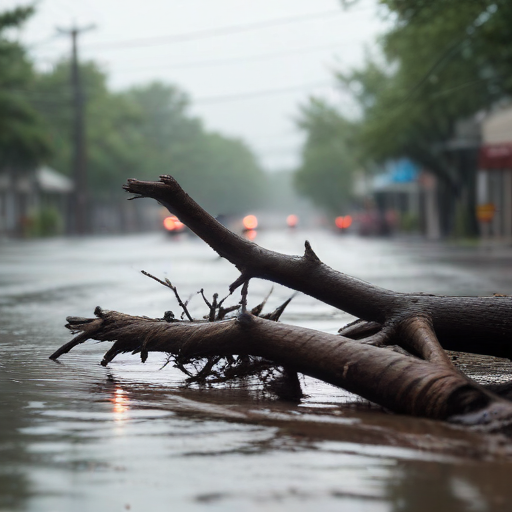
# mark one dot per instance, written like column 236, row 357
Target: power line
column 207, row 34
column 234, row 60
column 201, row 100
column 42, row 42
column 259, row 93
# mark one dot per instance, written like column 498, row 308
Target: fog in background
column 245, row 65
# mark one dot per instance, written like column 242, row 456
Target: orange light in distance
column 170, row 223
column 347, row 221
column 250, row 222
column 343, row 222
column 292, row 220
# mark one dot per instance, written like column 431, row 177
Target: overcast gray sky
column 246, row 65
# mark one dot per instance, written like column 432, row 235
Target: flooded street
column 77, row 436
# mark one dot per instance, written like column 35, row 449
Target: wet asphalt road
column 76, row 436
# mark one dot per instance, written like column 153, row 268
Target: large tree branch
column 421, row 381
column 400, row 383
column 307, row 273
column 458, row 322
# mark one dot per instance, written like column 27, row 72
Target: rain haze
column 308, row 307
column 245, row 65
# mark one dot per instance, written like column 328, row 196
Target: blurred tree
column 231, row 180
column 146, row 131
column 434, row 75
column 113, row 123
column 23, row 142
column 441, row 63
column 328, row 157
column 477, row 31
column 221, row 172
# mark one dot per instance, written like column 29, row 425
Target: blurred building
column 477, row 197
column 397, row 193
column 26, row 197
column 494, row 179
column 457, row 191
column 403, row 198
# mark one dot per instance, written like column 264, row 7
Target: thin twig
column 256, row 311
column 168, row 284
column 201, row 291
column 276, row 314
column 224, row 311
column 212, row 306
column 185, row 304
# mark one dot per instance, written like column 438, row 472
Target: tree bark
column 481, row 325
column 419, row 380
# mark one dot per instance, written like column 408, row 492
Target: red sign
column 496, row 156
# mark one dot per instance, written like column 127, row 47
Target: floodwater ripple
column 77, row 436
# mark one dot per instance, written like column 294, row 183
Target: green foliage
column 328, row 157
column 46, row 221
column 146, row 131
column 221, row 173
column 444, row 62
column 23, row 142
column 474, row 31
column 230, row 180
column 111, row 123
column 441, row 63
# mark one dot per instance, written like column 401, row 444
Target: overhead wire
column 201, row 100
column 241, row 59
column 209, row 33
column 229, row 30
column 259, row 93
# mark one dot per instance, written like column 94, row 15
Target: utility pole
column 78, row 207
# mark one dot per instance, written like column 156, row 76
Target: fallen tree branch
column 457, row 321
column 416, row 378
column 399, row 383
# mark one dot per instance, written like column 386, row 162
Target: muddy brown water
column 75, row 436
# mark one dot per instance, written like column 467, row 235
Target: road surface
column 75, row 436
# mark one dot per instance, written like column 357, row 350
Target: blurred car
column 173, row 225
column 250, row 222
column 343, row 223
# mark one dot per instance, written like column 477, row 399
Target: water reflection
column 250, row 234
column 476, row 486
column 120, row 404
column 132, row 435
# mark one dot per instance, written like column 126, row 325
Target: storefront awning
column 49, row 180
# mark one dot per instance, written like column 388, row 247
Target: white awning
column 49, row 180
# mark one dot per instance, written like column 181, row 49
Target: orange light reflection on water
column 250, row 234
column 120, row 404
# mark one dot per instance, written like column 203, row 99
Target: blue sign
column 401, row 171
